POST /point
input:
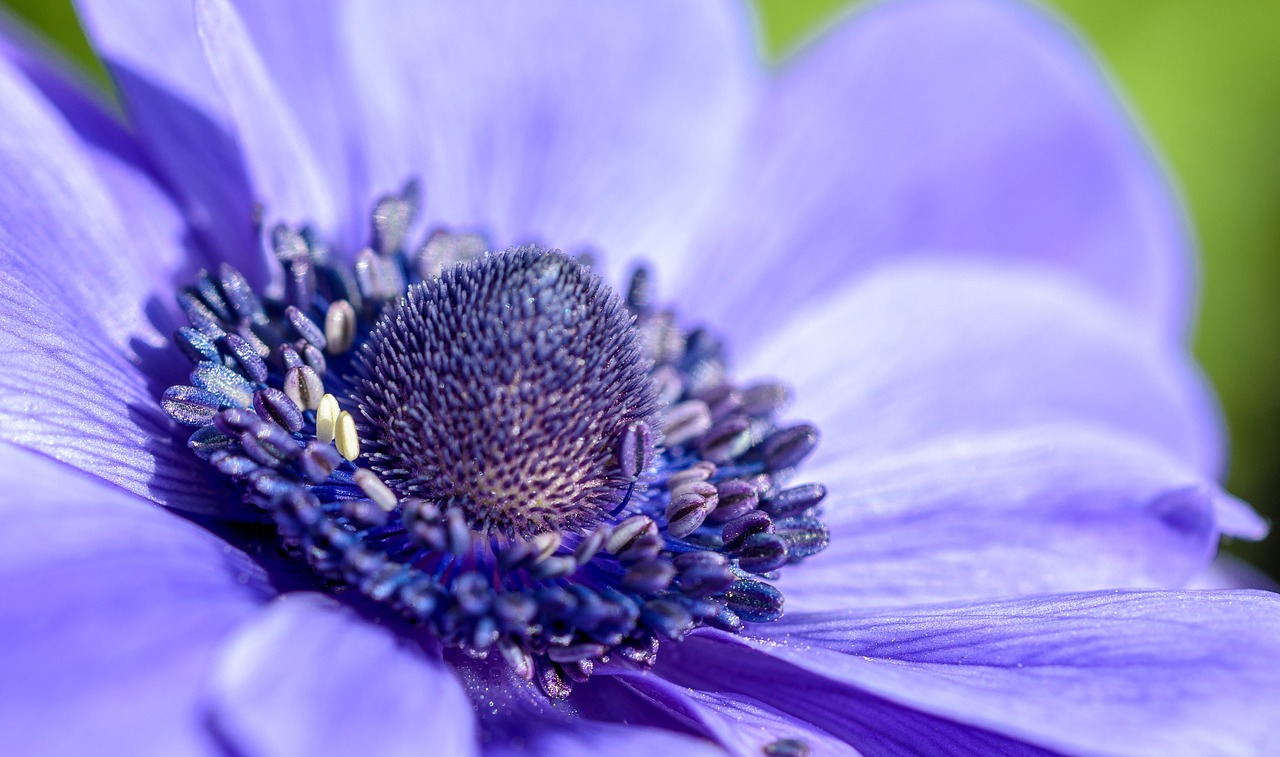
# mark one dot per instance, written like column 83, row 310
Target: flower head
column 428, row 485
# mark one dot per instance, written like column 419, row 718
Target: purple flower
column 937, row 226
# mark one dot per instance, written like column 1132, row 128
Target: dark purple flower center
column 507, row 388
column 498, row 445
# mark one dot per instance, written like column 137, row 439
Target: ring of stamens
column 655, row 502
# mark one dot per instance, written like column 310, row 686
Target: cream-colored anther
column 339, row 327
column 345, row 436
column 375, row 490
column 327, row 418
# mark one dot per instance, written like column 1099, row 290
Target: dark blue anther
column 514, row 611
column 364, row 513
column 636, row 450
column 473, row 593
column 483, row 636
column 383, row 583
column 690, row 508
column 553, row 567
column 726, row 440
column 246, row 356
column 419, row 596
column 305, row 327
column 300, row 282
column 590, row 609
column 576, row 652
column 457, row 534
column 189, row 405
column 270, row 484
column 804, row 537
column 276, row 444
column 206, row 440
column 754, row 601
column 762, row 552
column 794, row 501
column 235, row 421
column 199, row 314
column 230, row 464
column 649, row 576
column 737, row 530
column 787, row 447
column 703, row 573
column 311, row 357
column 787, row 748
column 288, row 357
column 668, row 618
column 230, row 387
column 735, row 499
column 590, row 545
column 240, row 295
column 196, row 345
column 318, row 461
column 273, row 405
column 207, row 293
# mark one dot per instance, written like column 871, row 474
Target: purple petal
column 1168, row 673
column 283, row 170
column 175, row 106
column 739, row 723
column 111, row 614
column 78, row 297
column 977, row 128
column 307, row 677
column 1037, row 510
column 572, row 121
column 585, row 738
column 932, row 350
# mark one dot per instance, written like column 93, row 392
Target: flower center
column 507, row 388
column 498, row 445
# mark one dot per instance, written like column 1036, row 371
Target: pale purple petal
column 573, row 121
column 978, row 128
column 111, row 614
column 285, row 173
column 871, row 724
column 932, row 350
column 171, row 99
column 307, row 677
column 298, row 40
column 78, row 298
column 1158, row 673
column 157, row 231
column 1036, row 510
column 1230, row 572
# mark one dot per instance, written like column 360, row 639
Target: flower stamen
column 498, row 445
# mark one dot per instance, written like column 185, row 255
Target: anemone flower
column 315, row 441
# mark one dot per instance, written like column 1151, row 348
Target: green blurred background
column 1202, row 77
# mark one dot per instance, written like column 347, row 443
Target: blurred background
column 1202, row 78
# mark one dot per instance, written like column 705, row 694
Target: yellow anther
column 345, row 436
column 375, row 490
column 327, row 418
